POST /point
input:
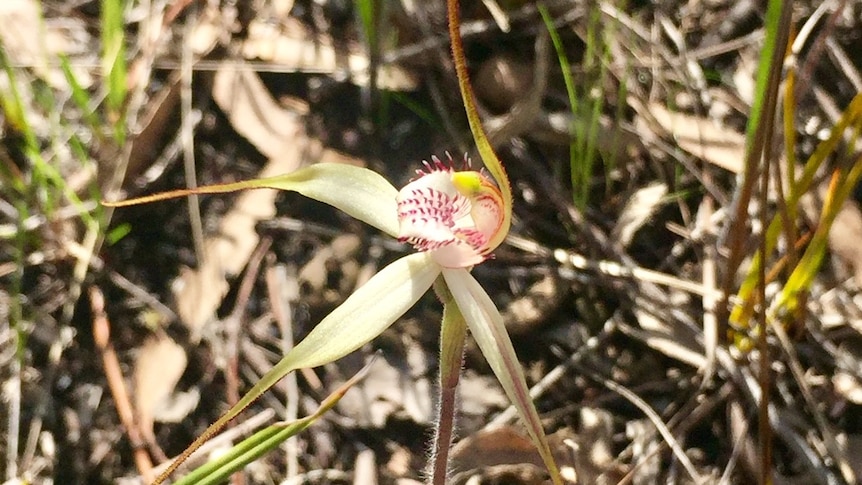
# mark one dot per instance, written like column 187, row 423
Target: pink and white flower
column 452, row 214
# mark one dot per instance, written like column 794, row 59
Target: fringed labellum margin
column 452, row 214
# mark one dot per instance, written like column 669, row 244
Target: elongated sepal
column 486, row 325
column 359, row 192
column 483, row 144
column 366, row 313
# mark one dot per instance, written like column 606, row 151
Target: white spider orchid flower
column 454, row 218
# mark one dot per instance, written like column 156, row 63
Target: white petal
column 361, row 193
column 457, row 255
column 364, row 315
column 367, row 312
column 486, row 326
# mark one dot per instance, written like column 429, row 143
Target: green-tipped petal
column 486, row 325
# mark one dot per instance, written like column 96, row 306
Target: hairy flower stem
column 453, row 334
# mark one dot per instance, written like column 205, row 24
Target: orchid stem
column 453, row 335
column 445, row 424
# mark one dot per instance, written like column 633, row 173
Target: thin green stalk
column 82, row 99
column 759, row 123
column 571, row 91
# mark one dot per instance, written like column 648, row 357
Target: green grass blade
column 571, row 92
column 843, row 183
column 264, row 441
column 81, row 97
column 741, row 312
column 13, row 104
column 366, row 9
column 114, row 64
column 758, row 130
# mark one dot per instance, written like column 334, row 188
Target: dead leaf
column 339, row 256
column 496, row 446
column 29, row 41
column 666, row 337
column 292, row 46
column 844, row 237
column 715, row 144
column 639, row 209
column 520, row 474
column 388, row 388
column 159, row 109
column 848, row 386
column 480, row 394
column 159, row 365
column 253, row 112
column 530, row 310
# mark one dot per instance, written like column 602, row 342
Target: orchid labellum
column 456, row 216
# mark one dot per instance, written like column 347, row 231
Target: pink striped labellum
column 453, row 214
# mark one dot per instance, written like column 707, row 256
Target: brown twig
column 116, row 383
column 232, row 322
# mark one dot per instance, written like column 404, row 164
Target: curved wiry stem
column 483, row 145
